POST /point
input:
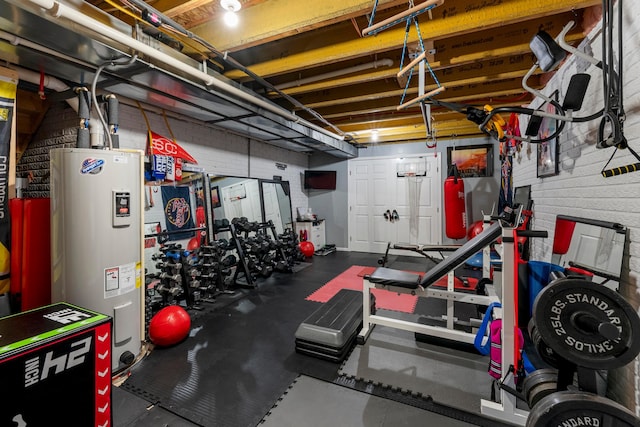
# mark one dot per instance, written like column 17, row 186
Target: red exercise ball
column 193, row 244
column 475, row 229
column 169, row 326
column 307, row 248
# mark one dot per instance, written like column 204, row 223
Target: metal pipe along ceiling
column 59, row 10
column 356, row 68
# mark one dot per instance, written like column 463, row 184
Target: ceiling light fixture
column 231, row 7
column 374, row 135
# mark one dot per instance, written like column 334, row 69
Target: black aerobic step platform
column 330, row 331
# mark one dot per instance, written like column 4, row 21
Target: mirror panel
column 235, row 197
column 591, row 245
column 258, row 200
column 276, row 204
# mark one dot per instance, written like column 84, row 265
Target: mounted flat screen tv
column 320, row 180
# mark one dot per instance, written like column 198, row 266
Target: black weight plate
column 545, row 352
column 570, row 408
column 538, row 384
column 531, row 326
column 541, row 391
column 541, row 347
column 554, row 313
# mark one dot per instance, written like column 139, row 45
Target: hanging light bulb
column 231, row 7
column 230, row 18
column 374, row 135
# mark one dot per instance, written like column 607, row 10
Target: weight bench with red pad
column 389, row 277
column 407, row 282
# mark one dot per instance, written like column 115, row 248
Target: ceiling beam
column 439, row 115
column 484, row 72
column 277, row 19
column 490, row 68
column 173, row 8
column 404, row 134
column 479, row 87
column 482, row 16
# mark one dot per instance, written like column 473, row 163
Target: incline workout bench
column 415, row 284
column 419, row 249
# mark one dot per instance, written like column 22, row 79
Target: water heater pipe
column 95, row 129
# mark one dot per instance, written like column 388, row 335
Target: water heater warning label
column 120, row 279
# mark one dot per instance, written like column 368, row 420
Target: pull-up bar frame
column 401, row 17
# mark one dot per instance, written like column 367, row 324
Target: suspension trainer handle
column 621, row 170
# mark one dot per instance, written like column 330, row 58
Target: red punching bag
column 454, row 205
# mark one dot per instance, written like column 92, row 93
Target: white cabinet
column 314, row 230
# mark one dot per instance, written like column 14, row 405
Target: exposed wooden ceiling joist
column 478, row 51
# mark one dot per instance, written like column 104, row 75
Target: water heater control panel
column 121, row 211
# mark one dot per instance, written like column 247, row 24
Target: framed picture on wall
column 215, row 197
column 548, row 151
column 471, row 160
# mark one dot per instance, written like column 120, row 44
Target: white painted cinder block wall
column 580, row 190
column 218, row 152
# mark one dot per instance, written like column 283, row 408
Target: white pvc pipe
column 356, row 68
column 49, row 82
column 95, row 128
column 59, row 10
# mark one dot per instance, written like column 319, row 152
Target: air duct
column 59, row 10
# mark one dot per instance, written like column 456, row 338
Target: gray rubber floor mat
column 316, row 403
column 392, row 357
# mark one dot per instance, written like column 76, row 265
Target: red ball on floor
column 307, row 248
column 169, row 326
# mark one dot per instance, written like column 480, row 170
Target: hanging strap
column 485, row 347
column 166, row 122
column 453, row 171
column 373, row 13
column 146, row 120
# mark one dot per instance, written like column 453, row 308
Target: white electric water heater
column 96, row 239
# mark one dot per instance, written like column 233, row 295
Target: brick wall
column 217, row 152
column 580, row 190
column 58, row 129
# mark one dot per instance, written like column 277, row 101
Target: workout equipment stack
column 191, row 277
column 179, row 281
column 260, row 251
column 581, row 330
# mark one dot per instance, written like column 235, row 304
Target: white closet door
column 375, row 188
